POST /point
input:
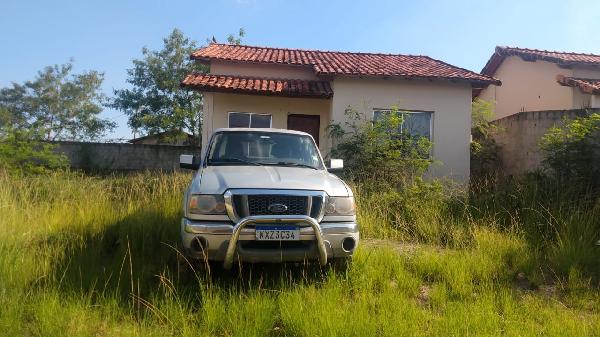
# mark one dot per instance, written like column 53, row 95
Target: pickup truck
column 265, row 195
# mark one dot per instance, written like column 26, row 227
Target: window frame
column 410, row 111
column 250, row 118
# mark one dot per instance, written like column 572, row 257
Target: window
column 249, row 120
column 415, row 123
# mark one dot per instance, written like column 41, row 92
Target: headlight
column 206, row 204
column 340, row 206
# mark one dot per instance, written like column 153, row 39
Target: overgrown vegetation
column 378, row 152
column 485, row 160
column 572, row 152
column 21, row 151
column 92, row 256
column 99, row 256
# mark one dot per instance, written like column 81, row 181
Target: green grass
column 98, row 256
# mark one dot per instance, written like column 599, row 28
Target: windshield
column 264, row 148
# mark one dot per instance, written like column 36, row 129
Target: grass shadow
column 139, row 256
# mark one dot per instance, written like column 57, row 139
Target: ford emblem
column 277, row 208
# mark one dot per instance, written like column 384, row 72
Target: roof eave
column 473, row 82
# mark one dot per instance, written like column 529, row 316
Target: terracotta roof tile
column 586, row 85
column 344, row 63
column 258, row 86
column 561, row 58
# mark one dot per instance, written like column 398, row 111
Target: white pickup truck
column 265, row 195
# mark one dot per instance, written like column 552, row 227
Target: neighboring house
column 174, row 137
column 537, row 80
column 539, row 90
column 308, row 89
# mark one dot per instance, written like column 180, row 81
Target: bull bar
column 274, row 219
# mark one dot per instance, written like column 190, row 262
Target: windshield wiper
column 233, row 160
column 286, row 163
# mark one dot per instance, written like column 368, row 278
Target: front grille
column 259, row 204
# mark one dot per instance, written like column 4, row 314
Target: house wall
column 528, row 86
column 263, row 70
column 532, row 86
column 218, row 105
column 586, row 72
column 450, row 103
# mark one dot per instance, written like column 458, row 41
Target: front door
column 310, row 124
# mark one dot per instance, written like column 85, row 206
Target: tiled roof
column 586, row 85
column 344, row 63
column 258, row 86
column 561, row 58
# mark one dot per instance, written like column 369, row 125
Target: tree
column 231, row 39
column 156, row 102
column 56, row 105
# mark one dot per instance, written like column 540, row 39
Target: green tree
column 572, row 151
column 56, row 105
column 156, row 102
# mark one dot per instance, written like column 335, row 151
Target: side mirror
column 189, row 162
column 336, row 164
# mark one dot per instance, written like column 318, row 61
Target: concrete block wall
column 521, row 134
column 123, row 157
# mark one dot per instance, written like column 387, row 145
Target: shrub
column 573, row 150
column 376, row 152
column 485, row 160
column 20, row 151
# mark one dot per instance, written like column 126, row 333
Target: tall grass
column 98, row 256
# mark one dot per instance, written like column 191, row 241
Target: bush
column 20, row 151
column 375, row 152
column 573, row 150
column 485, row 160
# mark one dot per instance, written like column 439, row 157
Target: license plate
column 277, row 233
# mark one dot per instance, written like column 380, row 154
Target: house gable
column 529, row 78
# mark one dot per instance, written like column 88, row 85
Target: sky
column 106, row 35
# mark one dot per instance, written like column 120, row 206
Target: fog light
column 348, row 244
column 199, row 244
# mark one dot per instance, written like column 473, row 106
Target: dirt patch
column 399, row 246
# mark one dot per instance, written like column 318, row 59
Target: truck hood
column 218, row 179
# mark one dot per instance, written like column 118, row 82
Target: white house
column 308, row 89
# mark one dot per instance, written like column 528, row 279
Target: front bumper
column 229, row 242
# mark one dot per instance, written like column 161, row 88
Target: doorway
column 310, row 124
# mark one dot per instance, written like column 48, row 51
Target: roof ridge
column 547, row 51
column 258, row 77
column 465, row 69
column 314, row 50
